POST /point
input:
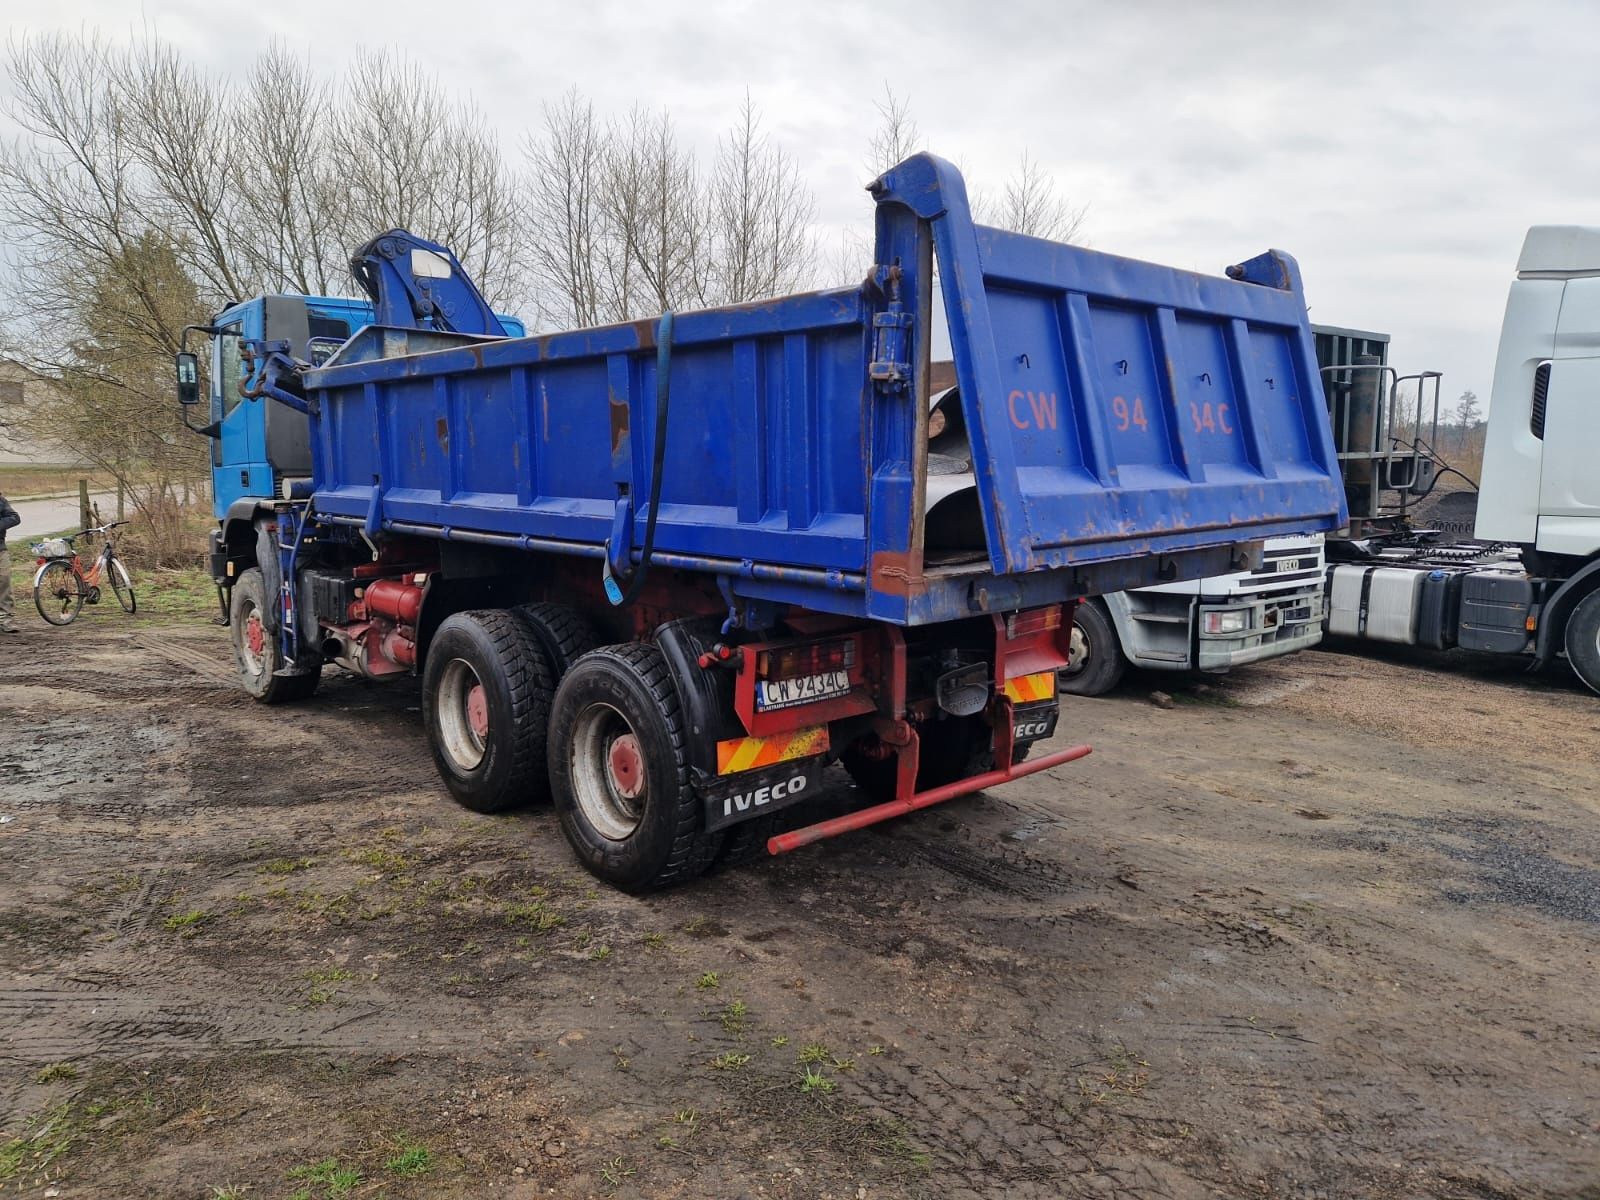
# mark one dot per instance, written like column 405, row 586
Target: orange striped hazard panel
column 1028, row 689
column 748, row 753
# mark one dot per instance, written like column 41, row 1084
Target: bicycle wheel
column 57, row 593
column 121, row 584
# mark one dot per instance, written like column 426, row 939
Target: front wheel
column 57, row 594
column 1095, row 664
column 255, row 646
column 1583, row 640
column 121, row 584
column 619, row 770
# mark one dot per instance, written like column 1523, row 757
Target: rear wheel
column 57, row 594
column 255, row 646
column 619, row 769
column 1583, row 640
column 486, row 705
column 122, row 585
column 563, row 632
column 1095, row 664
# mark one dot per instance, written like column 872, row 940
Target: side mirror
column 188, row 380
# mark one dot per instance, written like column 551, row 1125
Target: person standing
column 9, row 519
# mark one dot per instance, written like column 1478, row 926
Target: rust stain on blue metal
column 619, row 422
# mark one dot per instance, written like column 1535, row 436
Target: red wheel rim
column 478, row 711
column 626, row 763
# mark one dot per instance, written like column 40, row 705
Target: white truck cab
column 1529, row 584
column 1210, row 624
column 1541, row 486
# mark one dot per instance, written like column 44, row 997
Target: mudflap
column 729, row 799
column 1034, row 722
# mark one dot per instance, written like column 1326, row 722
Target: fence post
column 85, row 518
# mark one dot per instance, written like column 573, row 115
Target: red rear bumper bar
column 795, row 839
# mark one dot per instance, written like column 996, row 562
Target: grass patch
column 535, row 914
column 813, row 1052
column 324, row 981
column 287, row 866
column 708, row 981
column 174, row 594
column 814, row 1081
column 186, row 922
column 35, row 1151
column 21, row 480
column 730, row 1061
column 410, row 1159
column 732, row 1017
column 56, row 1072
column 614, row 1172
column 382, row 859
column 325, row 1180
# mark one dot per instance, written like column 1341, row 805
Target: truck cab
column 1211, row 624
column 1540, row 488
column 259, row 445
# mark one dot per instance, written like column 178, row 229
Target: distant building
column 18, row 386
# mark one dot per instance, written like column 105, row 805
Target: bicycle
column 61, row 586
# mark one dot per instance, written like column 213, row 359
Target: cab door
column 236, row 454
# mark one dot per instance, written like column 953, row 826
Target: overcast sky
column 1398, row 150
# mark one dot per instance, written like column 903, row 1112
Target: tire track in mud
column 1013, row 874
column 140, row 1012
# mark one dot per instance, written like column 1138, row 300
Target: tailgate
column 1117, row 408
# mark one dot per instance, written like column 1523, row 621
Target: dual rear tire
column 521, row 707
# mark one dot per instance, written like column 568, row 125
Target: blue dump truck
column 663, row 572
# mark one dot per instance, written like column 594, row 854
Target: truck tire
column 1096, row 663
column 1583, row 640
column 255, row 646
column 563, row 632
column 486, row 694
column 619, row 771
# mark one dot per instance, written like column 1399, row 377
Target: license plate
column 804, row 689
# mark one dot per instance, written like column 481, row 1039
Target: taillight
column 811, row 659
column 1037, row 620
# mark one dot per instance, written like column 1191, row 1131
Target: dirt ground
column 1327, row 928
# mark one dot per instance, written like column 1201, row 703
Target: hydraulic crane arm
column 418, row 284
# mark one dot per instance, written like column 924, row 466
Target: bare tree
column 654, row 205
column 897, row 137
column 1031, row 205
column 623, row 222
column 176, row 122
column 143, row 194
column 1468, row 416
column 282, row 186
column 411, row 156
column 567, row 236
column 759, row 216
